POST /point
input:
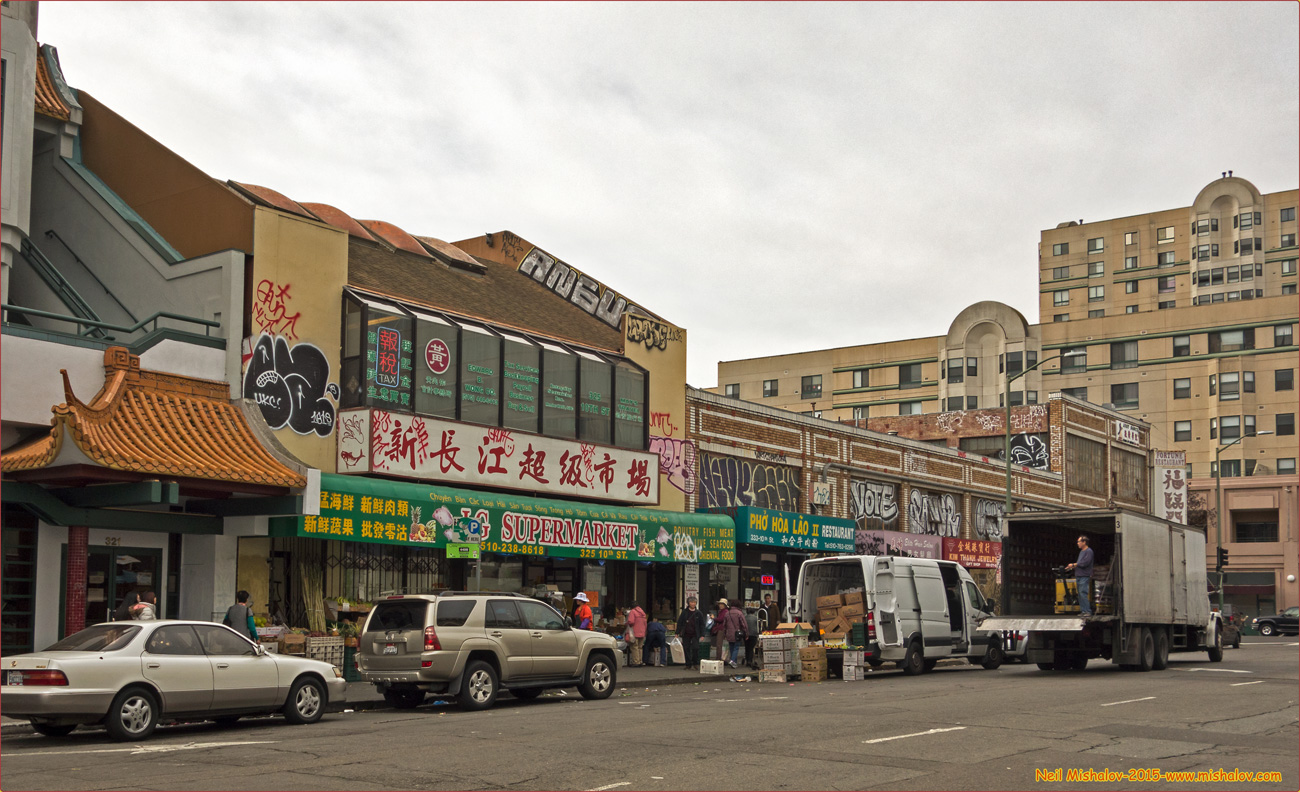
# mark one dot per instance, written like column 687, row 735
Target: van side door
column 886, row 604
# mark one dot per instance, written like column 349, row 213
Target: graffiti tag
column 677, row 459
column 271, row 311
column 728, row 482
column 655, row 335
column 873, row 505
column 1029, row 450
column 988, row 519
column 290, row 386
column 934, row 513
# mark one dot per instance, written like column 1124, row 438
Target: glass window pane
column 629, row 407
column 480, row 376
column 595, row 417
column 388, row 359
column 522, row 377
column 436, row 344
column 559, row 393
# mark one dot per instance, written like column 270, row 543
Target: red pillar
column 74, row 614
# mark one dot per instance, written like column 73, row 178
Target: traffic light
column 1223, row 558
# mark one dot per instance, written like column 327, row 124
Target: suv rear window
column 453, row 613
column 399, row 615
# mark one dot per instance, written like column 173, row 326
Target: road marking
column 142, row 749
column 1239, row 684
column 1217, row 670
column 1128, row 701
column 610, row 786
column 913, row 734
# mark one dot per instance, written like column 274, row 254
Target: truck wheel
column 993, row 657
column 1079, row 662
column 1146, row 649
column 1046, row 666
column 598, row 678
column 914, row 661
column 1216, row 651
column 478, row 690
column 1162, row 650
column 1266, row 629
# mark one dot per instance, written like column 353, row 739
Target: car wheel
column 133, row 715
column 1266, row 629
column 1078, row 662
column 1236, row 641
column 51, row 730
column 404, row 698
column 226, row 720
column 1216, row 651
column 306, row 702
column 527, row 694
column 478, row 690
column 913, row 662
column 1161, row 661
column 598, row 679
column 993, row 657
column 1146, row 649
column 1046, row 666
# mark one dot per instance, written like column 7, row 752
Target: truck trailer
column 1149, row 587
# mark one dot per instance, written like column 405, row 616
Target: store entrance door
column 115, row 573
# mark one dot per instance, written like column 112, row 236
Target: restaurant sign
column 809, row 532
column 360, row 509
column 413, row 446
column 972, row 553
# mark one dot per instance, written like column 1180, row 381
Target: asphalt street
column 959, row 727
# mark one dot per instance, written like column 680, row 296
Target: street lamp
column 1006, row 400
column 1218, row 509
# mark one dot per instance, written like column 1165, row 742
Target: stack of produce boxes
column 854, row 665
column 778, row 657
column 812, row 663
column 833, row 627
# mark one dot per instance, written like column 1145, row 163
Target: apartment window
column 1246, row 246
column 1017, row 398
column 732, row 390
column 862, row 378
column 1288, row 240
column 1060, row 248
column 954, row 370
column 1130, row 262
column 811, row 386
column 1128, row 309
column 1202, row 253
column 1249, row 424
column 1183, row 388
column 1131, row 287
column 1031, row 358
column 1074, row 359
column 1096, row 293
column 1284, row 379
column 1216, row 298
column 1182, row 346
column 1288, row 288
column 1165, row 234
column 909, row 376
column 1163, row 304
column 1281, row 336
column 1286, row 466
column 1061, row 297
column 1204, row 227
column 1287, row 215
column 1124, row 354
column 1096, row 245
column 972, row 367
column 1077, row 393
column 1247, row 273
column 1229, row 386
column 770, row 390
column 1235, row 340
column 1216, row 276
column 1060, row 273
column 1182, row 431
column 860, row 413
column 1202, row 277
column 1214, row 428
column 1232, row 273
column 1096, row 269
column 954, row 403
column 1096, row 313
column 1130, row 238
column 1231, row 468
column 1015, row 363
column 1165, row 259
column 1247, row 220
column 1031, row 397
column 1289, row 266
column 1060, row 317
column 1285, row 424
column 1247, row 382
column 909, row 408
column 1124, row 395
column 1229, row 428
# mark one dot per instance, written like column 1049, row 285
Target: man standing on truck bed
column 1083, row 576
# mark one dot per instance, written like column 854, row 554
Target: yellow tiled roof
column 156, row 423
column 48, row 101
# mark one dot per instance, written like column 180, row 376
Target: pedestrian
column 732, row 633
column 655, row 643
column 772, row 612
column 690, row 629
column 636, row 626
column 751, row 636
column 581, row 611
column 715, row 630
column 146, row 609
column 1083, row 575
column 123, row 612
column 239, row 617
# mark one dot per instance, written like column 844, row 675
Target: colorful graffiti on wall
column 271, row 311
column 291, row 385
column 934, row 513
column 677, row 461
column 728, row 481
column 874, row 505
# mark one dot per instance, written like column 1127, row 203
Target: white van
column 917, row 610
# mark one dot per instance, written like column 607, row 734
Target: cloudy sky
column 773, row 177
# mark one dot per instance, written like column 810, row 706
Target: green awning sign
column 808, row 532
column 362, row 509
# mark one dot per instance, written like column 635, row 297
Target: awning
column 811, row 533
column 364, row 509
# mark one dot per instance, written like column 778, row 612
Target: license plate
column 390, row 649
column 15, row 678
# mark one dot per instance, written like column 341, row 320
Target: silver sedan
column 130, row 675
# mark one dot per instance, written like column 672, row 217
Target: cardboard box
column 773, row 675
column 826, row 615
column 776, row 643
column 839, row 625
column 293, row 643
column 712, row 667
column 855, row 609
column 813, row 676
column 852, row 620
column 854, row 673
column 812, row 653
column 813, row 664
column 854, row 657
column 799, row 642
column 853, row 598
column 775, row 657
column 835, row 639
column 831, row 601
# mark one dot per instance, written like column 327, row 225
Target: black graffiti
column 1030, row 450
column 873, row 505
column 730, row 482
column 290, row 386
column 988, row 519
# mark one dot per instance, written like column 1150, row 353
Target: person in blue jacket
column 1083, row 576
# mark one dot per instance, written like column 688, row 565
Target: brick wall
column 74, row 615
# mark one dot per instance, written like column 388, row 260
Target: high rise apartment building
column 1183, row 318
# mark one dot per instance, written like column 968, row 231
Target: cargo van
column 915, row 611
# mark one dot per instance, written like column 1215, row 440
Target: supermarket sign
column 363, row 509
column 972, row 554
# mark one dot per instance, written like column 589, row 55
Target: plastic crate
column 350, row 673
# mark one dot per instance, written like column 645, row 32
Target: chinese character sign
column 809, row 532
column 972, row 553
column 1171, row 486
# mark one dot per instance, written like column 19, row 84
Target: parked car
column 132, row 675
column 1285, row 623
column 470, row 645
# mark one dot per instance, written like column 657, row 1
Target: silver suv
column 471, row 644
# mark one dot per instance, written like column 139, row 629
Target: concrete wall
column 20, row 53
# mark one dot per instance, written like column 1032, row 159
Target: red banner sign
column 971, row 553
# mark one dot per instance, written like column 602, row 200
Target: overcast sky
column 773, row 177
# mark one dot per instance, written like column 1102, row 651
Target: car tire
column 1267, row 629
column 478, row 689
column 526, row 694
column 1161, row 661
column 993, row 657
column 133, row 715
column 53, row 730
column 1236, row 640
column 1046, row 666
column 930, row 664
column 306, row 702
column 913, row 663
column 404, row 698
column 1216, row 651
column 1079, row 662
column 1146, row 649
column 598, row 679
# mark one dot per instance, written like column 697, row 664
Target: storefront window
column 595, row 416
column 559, row 392
column 436, row 343
column 629, row 407
column 521, row 384
column 480, row 376
column 388, row 346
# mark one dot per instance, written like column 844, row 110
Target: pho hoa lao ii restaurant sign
column 377, row 511
column 971, row 553
column 412, row 446
column 808, row 532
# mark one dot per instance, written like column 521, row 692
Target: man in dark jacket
column 655, row 642
column 1083, row 576
column 772, row 612
column 690, row 629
